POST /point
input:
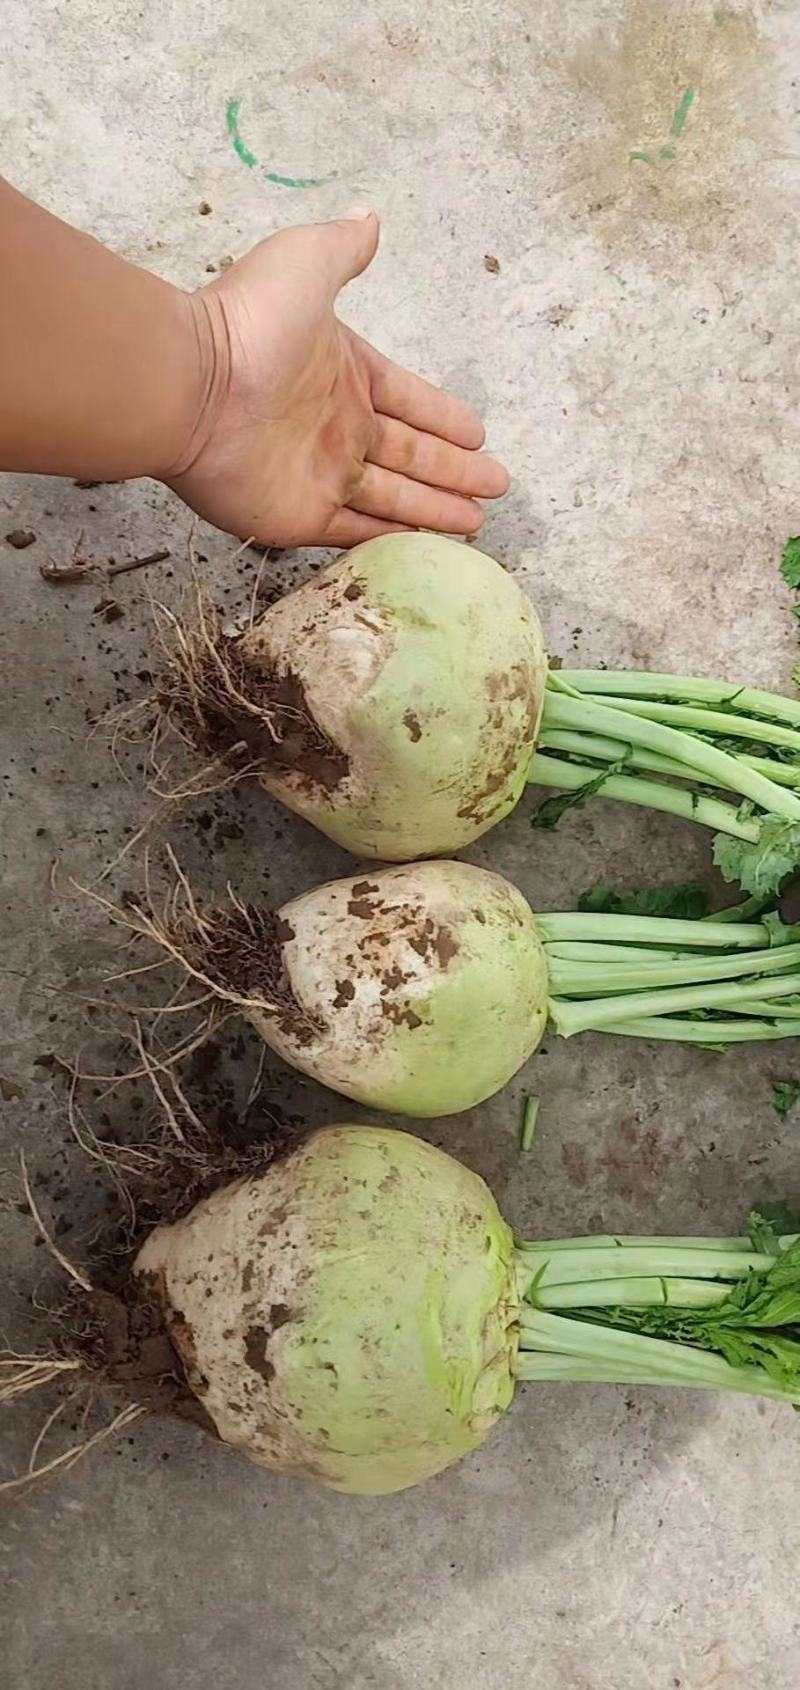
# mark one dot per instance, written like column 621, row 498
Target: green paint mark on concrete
column 681, row 112
column 677, row 127
column 243, row 152
column 232, row 121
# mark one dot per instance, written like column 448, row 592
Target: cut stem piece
column 715, row 723
column 655, row 1361
column 695, row 688
column 585, row 714
column 540, row 1266
column 649, row 929
column 596, row 748
column 593, row 977
column 711, row 1033
column 634, row 1293
column 548, row 771
column 530, row 1115
column 569, row 1017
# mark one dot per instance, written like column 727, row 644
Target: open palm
column 311, row 436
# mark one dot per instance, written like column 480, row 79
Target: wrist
column 203, row 383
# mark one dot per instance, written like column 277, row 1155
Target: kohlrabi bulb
column 351, row 1315
column 401, row 689
column 419, row 989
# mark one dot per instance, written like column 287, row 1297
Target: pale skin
column 249, row 397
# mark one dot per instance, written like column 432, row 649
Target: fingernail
column 356, row 212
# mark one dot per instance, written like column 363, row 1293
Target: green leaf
column 761, row 1234
column 758, row 1324
column 779, row 1356
column 684, row 899
column 769, row 1223
column 753, row 748
column 751, row 909
column 785, row 1094
column 551, row 810
column 761, row 1299
column 780, row 932
column 790, row 563
column 765, row 864
column 709, row 1016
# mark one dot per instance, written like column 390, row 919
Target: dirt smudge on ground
column 573, row 1156
column 666, row 101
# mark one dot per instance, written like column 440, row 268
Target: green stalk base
column 703, row 1313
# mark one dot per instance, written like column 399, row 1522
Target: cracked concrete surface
column 634, row 353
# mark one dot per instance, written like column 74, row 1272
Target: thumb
column 348, row 244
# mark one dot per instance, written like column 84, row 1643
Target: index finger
column 398, row 393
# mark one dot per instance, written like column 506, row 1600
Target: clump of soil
column 181, row 1175
column 244, row 710
column 123, row 1341
column 118, row 1330
column 239, row 951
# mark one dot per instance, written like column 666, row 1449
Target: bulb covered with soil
column 421, row 990
column 351, row 1316
column 394, row 700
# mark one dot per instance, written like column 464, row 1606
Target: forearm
column 106, row 369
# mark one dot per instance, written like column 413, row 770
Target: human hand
column 308, row 435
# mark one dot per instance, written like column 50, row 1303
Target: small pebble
column 19, row 538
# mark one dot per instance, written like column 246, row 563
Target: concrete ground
column 633, row 347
